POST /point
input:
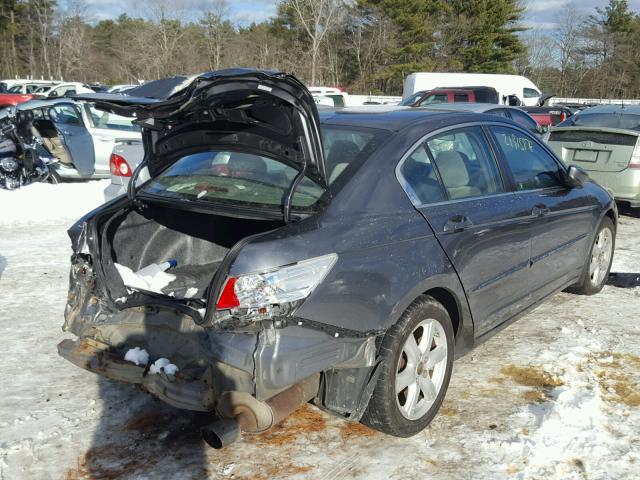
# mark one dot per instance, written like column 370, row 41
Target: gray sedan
column 277, row 256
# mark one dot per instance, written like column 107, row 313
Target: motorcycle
column 23, row 158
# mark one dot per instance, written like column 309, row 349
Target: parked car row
column 343, row 257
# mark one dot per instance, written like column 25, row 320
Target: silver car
column 80, row 137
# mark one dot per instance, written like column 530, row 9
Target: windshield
column 626, row 121
column 407, row 102
column 254, row 180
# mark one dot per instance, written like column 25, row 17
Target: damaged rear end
column 235, row 159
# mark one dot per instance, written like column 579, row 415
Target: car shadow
column 140, row 436
column 628, row 211
column 624, row 280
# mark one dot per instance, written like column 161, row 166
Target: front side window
column 65, row 115
column 16, row 89
column 531, row 165
column 249, row 179
column 465, row 163
column 530, row 93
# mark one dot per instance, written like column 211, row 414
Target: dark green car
column 603, row 140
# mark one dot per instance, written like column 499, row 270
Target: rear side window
column 531, row 165
column 465, row 163
column 461, row 97
column 421, row 177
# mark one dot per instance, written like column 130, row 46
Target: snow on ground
column 45, row 203
column 554, row 396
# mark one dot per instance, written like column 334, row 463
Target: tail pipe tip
column 221, row 433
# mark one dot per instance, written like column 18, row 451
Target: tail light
column 119, row 166
column 258, row 292
column 635, row 156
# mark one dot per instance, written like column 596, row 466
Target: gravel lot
column 555, row 395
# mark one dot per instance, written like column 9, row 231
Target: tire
column 389, row 408
column 53, row 177
column 601, row 251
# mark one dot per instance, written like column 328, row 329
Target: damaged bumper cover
column 218, row 370
column 176, row 391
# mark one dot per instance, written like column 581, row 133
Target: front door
column 75, row 136
column 563, row 216
column 456, row 184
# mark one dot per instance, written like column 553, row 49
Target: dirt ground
column 555, row 395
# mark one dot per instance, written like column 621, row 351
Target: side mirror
column 577, row 176
column 542, row 129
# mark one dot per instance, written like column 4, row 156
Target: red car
column 12, row 99
column 452, row 95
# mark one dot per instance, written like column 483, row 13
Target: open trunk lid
column 261, row 112
column 595, row 149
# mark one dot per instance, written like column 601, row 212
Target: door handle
column 104, row 139
column 457, row 224
column 540, row 210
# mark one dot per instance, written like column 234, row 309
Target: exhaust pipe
column 221, row 433
column 242, row 411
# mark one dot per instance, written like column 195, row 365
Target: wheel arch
column 449, row 293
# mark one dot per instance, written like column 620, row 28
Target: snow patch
column 137, row 355
column 43, row 203
column 163, row 365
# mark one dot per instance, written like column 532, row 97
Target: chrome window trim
column 413, row 197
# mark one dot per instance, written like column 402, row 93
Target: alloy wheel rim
column 601, row 257
column 421, row 369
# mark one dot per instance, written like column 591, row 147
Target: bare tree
column 217, row 30
column 317, row 17
column 566, row 45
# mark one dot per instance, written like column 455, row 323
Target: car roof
column 467, row 107
column 629, row 109
column 396, row 118
column 31, row 104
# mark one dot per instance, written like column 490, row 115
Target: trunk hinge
column 131, row 187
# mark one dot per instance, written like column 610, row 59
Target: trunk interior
column 197, row 241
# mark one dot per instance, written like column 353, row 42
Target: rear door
column 75, row 136
column 454, row 181
column 564, row 217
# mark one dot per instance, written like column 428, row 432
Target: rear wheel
column 417, row 359
column 598, row 263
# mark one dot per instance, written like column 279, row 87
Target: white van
column 506, row 85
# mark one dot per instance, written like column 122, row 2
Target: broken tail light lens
column 283, row 285
column 119, row 166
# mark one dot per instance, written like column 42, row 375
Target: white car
column 79, row 136
column 69, row 88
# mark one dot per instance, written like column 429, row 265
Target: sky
column 541, row 14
